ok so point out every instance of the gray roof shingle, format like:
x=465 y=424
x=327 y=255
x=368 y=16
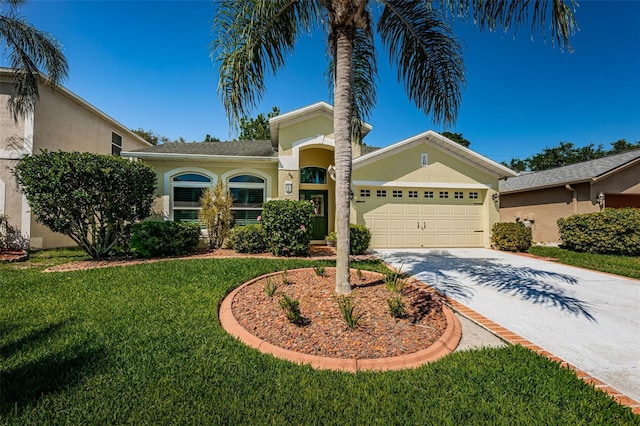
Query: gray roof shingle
x=234 y=148
x=578 y=172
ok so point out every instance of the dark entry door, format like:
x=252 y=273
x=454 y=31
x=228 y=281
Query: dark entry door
x=320 y=222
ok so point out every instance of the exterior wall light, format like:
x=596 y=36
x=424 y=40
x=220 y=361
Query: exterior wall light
x=600 y=200
x=288 y=188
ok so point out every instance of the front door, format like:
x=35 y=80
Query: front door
x=320 y=222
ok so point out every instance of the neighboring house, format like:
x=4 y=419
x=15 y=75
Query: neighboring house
x=539 y=199
x=61 y=121
x=425 y=191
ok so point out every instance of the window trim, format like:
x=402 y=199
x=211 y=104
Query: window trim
x=168 y=187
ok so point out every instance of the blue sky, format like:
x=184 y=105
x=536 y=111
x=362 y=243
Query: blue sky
x=147 y=64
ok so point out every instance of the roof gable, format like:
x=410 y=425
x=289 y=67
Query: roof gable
x=441 y=143
x=580 y=172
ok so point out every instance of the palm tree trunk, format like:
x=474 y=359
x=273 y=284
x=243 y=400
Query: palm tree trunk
x=342 y=130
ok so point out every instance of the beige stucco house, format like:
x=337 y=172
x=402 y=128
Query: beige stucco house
x=425 y=191
x=539 y=199
x=61 y=121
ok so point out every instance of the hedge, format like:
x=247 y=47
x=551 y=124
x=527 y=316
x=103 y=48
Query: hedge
x=611 y=231
x=161 y=239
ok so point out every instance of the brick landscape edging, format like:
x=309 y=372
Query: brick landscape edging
x=443 y=346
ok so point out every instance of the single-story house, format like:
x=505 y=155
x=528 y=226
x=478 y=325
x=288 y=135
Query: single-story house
x=61 y=121
x=425 y=191
x=539 y=199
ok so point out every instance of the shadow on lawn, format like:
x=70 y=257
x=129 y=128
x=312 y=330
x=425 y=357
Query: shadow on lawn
x=28 y=382
x=446 y=272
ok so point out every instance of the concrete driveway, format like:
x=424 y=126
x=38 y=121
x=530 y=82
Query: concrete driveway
x=589 y=319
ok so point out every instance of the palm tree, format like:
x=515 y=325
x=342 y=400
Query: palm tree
x=253 y=38
x=29 y=51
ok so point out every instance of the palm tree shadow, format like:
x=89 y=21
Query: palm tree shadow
x=24 y=384
x=446 y=273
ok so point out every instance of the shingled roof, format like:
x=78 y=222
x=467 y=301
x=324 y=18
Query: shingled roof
x=234 y=148
x=574 y=173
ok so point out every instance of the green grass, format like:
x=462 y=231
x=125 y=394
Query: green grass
x=621 y=265
x=142 y=345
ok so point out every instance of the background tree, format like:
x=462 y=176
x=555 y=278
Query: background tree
x=209 y=138
x=91 y=198
x=456 y=137
x=257 y=129
x=30 y=51
x=253 y=38
x=151 y=137
x=567 y=153
x=215 y=214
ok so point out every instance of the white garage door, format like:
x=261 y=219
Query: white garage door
x=397 y=224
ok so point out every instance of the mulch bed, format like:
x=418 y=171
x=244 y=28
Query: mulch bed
x=324 y=332
x=13 y=255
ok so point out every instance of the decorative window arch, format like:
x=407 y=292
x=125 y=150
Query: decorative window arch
x=249 y=191
x=315 y=175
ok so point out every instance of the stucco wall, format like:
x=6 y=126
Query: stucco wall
x=545 y=206
x=626 y=181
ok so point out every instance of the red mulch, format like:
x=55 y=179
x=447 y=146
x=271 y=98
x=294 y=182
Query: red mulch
x=13 y=255
x=325 y=333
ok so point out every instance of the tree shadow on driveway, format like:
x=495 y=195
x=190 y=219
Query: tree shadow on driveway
x=451 y=276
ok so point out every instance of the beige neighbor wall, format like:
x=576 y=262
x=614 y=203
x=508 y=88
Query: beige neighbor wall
x=626 y=181
x=542 y=208
x=12 y=136
x=62 y=121
x=165 y=170
x=442 y=169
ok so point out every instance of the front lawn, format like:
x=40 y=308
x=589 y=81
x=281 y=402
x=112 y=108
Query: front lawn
x=621 y=265
x=142 y=345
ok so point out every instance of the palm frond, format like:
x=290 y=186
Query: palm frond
x=510 y=15
x=30 y=50
x=253 y=39
x=428 y=56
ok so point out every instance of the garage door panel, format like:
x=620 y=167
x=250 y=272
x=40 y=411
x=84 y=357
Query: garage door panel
x=409 y=224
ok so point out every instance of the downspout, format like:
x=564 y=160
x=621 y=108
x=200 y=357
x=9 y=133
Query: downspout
x=574 y=198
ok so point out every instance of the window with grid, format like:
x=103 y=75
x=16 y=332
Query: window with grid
x=397 y=194
x=458 y=194
x=444 y=194
x=187 y=189
x=413 y=194
x=428 y=194
x=248 y=194
x=473 y=195
x=116 y=144
x=365 y=193
x=381 y=193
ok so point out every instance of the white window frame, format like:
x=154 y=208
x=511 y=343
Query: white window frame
x=424 y=159
x=265 y=186
x=169 y=185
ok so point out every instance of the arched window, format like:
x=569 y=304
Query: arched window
x=187 y=189
x=248 y=193
x=316 y=175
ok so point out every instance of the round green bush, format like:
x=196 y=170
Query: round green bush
x=611 y=231
x=360 y=238
x=511 y=236
x=248 y=239
x=161 y=239
x=287 y=225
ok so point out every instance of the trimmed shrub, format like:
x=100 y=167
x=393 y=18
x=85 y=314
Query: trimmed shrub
x=287 y=224
x=360 y=238
x=161 y=239
x=248 y=239
x=91 y=198
x=511 y=236
x=611 y=231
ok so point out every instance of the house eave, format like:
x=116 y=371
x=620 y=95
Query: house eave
x=198 y=157
x=553 y=185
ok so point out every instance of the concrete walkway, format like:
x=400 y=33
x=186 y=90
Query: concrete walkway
x=589 y=319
